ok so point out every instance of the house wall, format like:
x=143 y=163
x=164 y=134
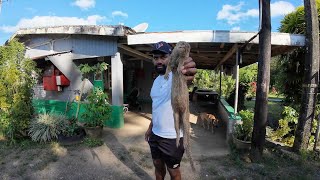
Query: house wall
x=74 y=47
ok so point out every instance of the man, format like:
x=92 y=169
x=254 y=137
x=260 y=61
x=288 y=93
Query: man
x=161 y=134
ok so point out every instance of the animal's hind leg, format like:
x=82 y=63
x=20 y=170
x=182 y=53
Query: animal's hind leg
x=177 y=126
x=203 y=123
x=212 y=125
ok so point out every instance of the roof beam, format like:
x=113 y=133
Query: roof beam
x=228 y=55
x=134 y=52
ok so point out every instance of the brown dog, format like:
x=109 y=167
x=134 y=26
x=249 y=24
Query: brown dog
x=209 y=121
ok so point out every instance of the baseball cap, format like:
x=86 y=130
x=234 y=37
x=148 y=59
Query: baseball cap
x=162 y=48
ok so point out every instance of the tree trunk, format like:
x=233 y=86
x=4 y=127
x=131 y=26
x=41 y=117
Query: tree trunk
x=311 y=77
x=261 y=105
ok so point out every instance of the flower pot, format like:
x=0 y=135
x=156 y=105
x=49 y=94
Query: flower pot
x=245 y=145
x=72 y=140
x=94 y=132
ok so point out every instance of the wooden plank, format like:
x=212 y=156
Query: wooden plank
x=135 y=52
x=228 y=55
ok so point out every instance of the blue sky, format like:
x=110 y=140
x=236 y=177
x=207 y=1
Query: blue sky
x=164 y=15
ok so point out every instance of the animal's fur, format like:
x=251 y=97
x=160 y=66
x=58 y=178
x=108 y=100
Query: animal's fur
x=209 y=121
x=180 y=95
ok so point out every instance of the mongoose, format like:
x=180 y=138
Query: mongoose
x=180 y=95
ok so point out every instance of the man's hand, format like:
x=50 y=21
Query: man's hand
x=189 y=69
x=147 y=135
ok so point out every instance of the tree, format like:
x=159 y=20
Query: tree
x=261 y=105
x=17 y=77
x=311 y=77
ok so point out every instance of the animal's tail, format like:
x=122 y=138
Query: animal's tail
x=188 y=152
x=186 y=140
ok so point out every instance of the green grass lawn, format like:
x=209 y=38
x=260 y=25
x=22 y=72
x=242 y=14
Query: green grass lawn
x=274 y=109
x=276 y=96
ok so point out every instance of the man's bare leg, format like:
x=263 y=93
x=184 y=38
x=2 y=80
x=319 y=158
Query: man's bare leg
x=160 y=169
x=175 y=174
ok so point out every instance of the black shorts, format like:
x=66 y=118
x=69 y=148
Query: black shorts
x=166 y=150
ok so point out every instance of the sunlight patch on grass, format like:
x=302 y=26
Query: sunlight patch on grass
x=58 y=150
x=274 y=108
x=2 y=138
x=280 y=96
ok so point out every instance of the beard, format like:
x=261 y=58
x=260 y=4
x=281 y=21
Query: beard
x=160 y=69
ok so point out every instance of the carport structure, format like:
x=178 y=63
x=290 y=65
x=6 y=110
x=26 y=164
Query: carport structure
x=226 y=51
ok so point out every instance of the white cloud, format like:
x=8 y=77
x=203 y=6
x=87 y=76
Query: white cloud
x=252 y=13
x=44 y=21
x=230 y=13
x=237 y=28
x=119 y=13
x=84 y=4
x=234 y=14
x=281 y=8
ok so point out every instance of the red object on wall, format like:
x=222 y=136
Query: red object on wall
x=49 y=83
x=62 y=80
x=54 y=79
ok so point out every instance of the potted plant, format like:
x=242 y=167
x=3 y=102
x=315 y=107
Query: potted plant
x=47 y=126
x=72 y=133
x=243 y=131
x=98 y=110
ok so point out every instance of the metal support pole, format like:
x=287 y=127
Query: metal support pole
x=238 y=57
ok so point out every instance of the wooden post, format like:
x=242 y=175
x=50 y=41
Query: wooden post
x=261 y=104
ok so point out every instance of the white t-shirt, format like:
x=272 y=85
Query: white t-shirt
x=162 y=113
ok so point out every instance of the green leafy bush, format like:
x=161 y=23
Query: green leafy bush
x=287 y=127
x=71 y=128
x=243 y=131
x=17 y=77
x=97 y=108
x=209 y=79
x=47 y=127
